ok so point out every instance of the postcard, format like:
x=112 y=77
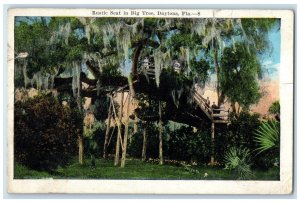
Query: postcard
x=150 y=101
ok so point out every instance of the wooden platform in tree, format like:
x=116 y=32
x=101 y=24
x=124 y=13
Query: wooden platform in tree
x=193 y=114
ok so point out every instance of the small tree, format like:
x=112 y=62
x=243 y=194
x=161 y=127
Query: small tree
x=239 y=81
x=45 y=133
x=275 y=110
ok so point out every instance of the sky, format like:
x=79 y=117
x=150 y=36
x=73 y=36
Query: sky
x=271 y=60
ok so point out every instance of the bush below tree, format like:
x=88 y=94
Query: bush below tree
x=45 y=133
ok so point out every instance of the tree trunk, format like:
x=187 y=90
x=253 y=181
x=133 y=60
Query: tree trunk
x=144 y=142
x=78 y=99
x=212 y=158
x=107 y=131
x=233 y=107
x=239 y=110
x=93 y=69
x=80 y=146
x=135 y=59
x=79 y=105
x=130 y=137
x=117 y=156
x=126 y=132
x=135 y=124
x=217 y=74
x=160 y=136
x=135 y=127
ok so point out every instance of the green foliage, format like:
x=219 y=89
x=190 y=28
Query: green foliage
x=258 y=29
x=29 y=38
x=50 y=45
x=268 y=136
x=34 y=38
x=100 y=107
x=147 y=106
x=92 y=144
x=241 y=131
x=239 y=71
x=238 y=160
x=266 y=160
x=186 y=145
x=179 y=39
x=275 y=108
x=136 y=145
x=23 y=172
x=110 y=71
x=75 y=53
x=45 y=132
x=199 y=71
x=181 y=144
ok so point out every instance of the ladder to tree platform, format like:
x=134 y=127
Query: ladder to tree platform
x=150 y=71
x=148 y=68
x=214 y=115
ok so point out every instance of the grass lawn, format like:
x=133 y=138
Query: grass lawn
x=136 y=169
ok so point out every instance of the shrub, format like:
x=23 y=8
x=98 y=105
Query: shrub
x=268 y=139
x=178 y=144
x=94 y=139
x=275 y=109
x=222 y=141
x=45 y=132
x=186 y=145
x=241 y=131
x=237 y=160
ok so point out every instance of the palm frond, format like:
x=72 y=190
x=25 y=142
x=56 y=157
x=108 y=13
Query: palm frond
x=237 y=159
x=268 y=136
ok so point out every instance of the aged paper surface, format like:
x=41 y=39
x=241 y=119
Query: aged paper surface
x=284 y=186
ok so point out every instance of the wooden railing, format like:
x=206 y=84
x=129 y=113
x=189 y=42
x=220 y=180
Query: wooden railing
x=212 y=114
x=202 y=104
x=148 y=69
x=221 y=114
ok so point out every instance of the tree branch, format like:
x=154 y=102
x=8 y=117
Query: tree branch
x=94 y=69
x=87 y=80
x=144 y=42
